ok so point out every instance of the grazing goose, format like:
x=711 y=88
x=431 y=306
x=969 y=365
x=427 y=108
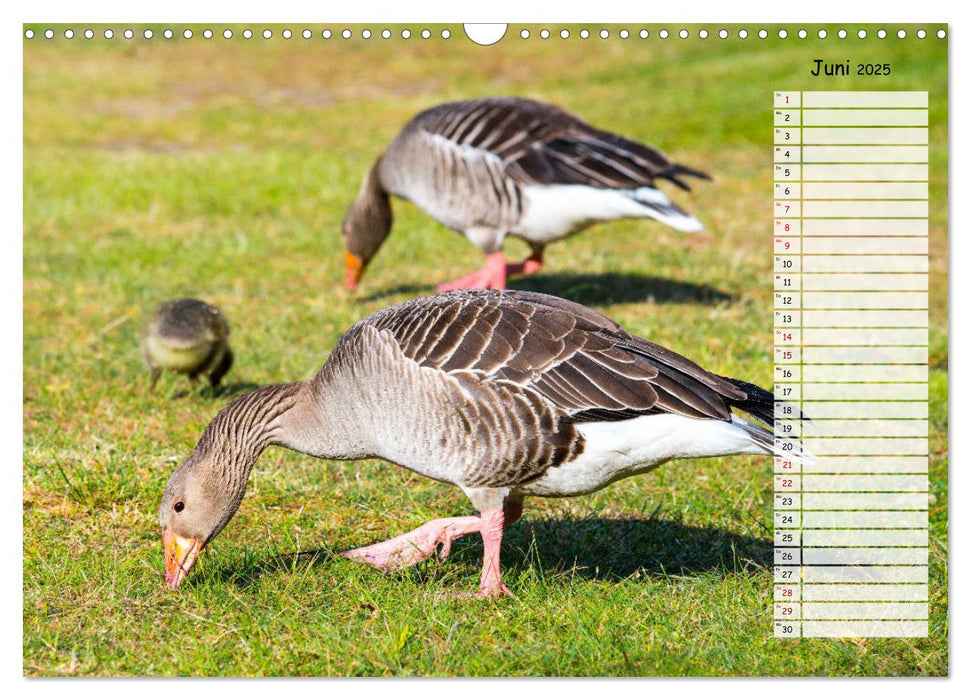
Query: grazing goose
x=503 y=394
x=187 y=336
x=508 y=165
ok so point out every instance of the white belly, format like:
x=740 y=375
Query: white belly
x=617 y=450
x=555 y=211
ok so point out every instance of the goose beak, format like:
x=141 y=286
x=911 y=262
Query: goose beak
x=355 y=268
x=180 y=555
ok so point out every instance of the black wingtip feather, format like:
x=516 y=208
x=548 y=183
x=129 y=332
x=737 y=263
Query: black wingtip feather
x=759 y=402
x=676 y=170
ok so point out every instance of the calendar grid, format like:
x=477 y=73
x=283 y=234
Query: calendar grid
x=851 y=364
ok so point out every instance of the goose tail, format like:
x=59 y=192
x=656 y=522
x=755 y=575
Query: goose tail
x=664 y=210
x=760 y=404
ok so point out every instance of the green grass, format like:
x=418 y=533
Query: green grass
x=221 y=170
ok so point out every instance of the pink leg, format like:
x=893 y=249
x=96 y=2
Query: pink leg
x=491 y=585
x=529 y=266
x=491 y=276
x=421 y=543
x=493 y=523
x=417 y=545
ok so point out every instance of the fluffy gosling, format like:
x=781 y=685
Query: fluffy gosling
x=190 y=337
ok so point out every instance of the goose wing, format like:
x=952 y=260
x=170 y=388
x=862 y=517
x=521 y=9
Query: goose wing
x=580 y=361
x=540 y=143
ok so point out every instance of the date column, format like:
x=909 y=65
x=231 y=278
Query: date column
x=787 y=302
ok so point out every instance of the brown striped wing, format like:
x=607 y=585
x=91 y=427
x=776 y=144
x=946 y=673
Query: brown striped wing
x=579 y=360
x=542 y=144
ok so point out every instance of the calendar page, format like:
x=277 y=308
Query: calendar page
x=637 y=331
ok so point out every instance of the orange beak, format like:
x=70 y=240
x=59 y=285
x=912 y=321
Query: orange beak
x=180 y=555
x=355 y=268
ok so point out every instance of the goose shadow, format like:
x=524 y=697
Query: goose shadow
x=610 y=549
x=599 y=549
x=593 y=289
x=621 y=288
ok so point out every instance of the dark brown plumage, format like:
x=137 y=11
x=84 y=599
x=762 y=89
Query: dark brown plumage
x=540 y=143
x=577 y=359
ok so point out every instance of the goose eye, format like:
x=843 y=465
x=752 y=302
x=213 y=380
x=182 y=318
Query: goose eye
x=179 y=507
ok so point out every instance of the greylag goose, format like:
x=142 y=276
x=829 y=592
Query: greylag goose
x=508 y=165
x=503 y=394
x=187 y=336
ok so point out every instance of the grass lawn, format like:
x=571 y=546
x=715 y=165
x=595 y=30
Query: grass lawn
x=221 y=169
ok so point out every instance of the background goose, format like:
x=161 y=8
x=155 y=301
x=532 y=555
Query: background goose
x=508 y=165
x=504 y=394
x=187 y=336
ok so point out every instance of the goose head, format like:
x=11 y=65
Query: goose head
x=366 y=224
x=204 y=493
x=197 y=504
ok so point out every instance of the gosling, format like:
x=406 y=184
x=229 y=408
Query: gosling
x=187 y=336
